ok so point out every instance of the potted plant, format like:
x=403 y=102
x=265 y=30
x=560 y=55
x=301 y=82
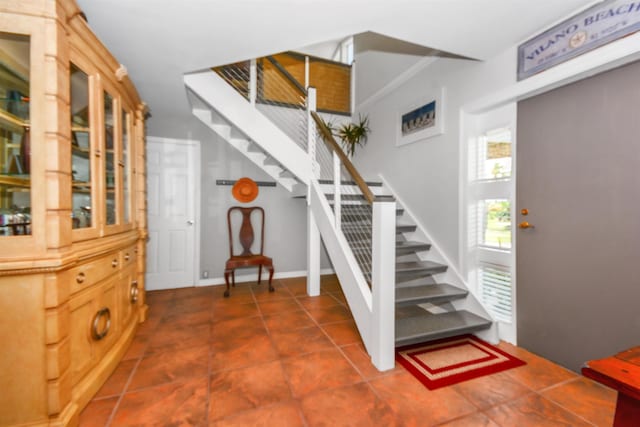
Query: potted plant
x=352 y=134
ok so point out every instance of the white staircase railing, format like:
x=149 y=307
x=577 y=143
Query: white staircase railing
x=370 y=225
x=264 y=113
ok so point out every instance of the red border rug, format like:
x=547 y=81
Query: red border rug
x=452 y=360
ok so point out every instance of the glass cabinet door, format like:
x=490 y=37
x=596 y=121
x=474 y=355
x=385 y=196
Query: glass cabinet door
x=80 y=149
x=15 y=147
x=126 y=167
x=110 y=161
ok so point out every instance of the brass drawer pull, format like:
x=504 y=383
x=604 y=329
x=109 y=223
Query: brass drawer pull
x=106 y=313
x=133 y=292
x=127 y=257
x=80 y=277
x=114 y=263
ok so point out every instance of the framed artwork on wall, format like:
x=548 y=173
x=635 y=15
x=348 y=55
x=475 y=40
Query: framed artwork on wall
x=421 y=119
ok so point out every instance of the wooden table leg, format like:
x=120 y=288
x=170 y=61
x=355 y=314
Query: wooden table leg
x=627 y=412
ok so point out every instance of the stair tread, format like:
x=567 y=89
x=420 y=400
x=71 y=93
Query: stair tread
x=415 y=266
x=361 y=209
x=426 y=327
x=410 y=244
x=434 y=292
x=352 y=227
x=405 y=228
x=380 y=198
x=360 y=243
x=369 y=183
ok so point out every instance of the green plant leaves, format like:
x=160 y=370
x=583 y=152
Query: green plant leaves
x=353 y=134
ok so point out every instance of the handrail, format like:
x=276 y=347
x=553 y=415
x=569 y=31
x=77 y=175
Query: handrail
x=287 y=74
x=330 y=140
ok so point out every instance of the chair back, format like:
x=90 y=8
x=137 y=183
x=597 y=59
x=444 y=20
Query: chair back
x=246 y=235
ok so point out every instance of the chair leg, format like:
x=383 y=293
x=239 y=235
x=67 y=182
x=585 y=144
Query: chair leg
x=233 y=278
x=226 y=280
x=259 y=273
x=270 y=277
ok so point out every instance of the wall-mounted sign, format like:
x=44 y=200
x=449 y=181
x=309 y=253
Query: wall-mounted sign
x=596 y=26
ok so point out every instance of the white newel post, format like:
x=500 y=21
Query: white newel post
x=313 y=233
x=253 y=82
x=383 y=278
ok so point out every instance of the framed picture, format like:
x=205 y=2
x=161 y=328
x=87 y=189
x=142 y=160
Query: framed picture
x=421 y=119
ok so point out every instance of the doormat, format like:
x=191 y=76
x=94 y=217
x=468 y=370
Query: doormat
x=453 y=360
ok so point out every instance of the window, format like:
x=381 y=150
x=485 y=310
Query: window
x=344 y=52
x=489 y=207
x=495 y=229
x=495 y=155
x=495 y=291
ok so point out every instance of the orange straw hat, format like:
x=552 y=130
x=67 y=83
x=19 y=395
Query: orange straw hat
x=245 y=190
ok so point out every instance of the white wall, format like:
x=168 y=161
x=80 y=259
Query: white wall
x=426 y=173
x=285 y=223
x=378 y=69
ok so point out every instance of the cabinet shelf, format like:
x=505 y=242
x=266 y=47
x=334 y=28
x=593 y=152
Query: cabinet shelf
x=12 y=121
x=81 y=187
x=80 y=152
x=16 y=180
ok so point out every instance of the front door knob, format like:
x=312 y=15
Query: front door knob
x=525 y=224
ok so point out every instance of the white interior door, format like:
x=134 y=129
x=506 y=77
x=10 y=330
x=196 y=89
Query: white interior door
x=172 y=192
x=489 y=259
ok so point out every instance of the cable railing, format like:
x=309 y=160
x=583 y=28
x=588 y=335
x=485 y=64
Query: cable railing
x=358 y=230
x=282 y=99
x=274 y=91
x=352 y=198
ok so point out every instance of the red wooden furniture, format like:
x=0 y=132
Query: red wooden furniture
x=622 y=373
x=246 y=236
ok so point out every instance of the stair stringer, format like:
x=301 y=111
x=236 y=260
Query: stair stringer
x=354 y=285
x=452 y=276
x=241 y=145
x=218 y=95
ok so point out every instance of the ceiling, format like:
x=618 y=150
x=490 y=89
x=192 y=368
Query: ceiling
x=160 y=40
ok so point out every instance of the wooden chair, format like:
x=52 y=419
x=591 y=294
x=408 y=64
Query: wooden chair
x=246 y=237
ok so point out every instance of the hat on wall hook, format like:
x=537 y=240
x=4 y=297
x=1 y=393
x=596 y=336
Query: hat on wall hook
x=245 y=190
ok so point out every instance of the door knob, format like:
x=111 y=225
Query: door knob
x=190 y=222
x=525 y=224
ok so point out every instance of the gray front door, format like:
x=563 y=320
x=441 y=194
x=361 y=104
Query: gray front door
x=578 y=175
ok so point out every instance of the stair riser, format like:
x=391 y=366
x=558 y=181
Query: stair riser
x=440 y=335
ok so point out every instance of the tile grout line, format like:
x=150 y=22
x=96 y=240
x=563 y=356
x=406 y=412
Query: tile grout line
x=116 y=407
x=208 y=404
x=280 y=358
x=123 y=392
x=344 y=355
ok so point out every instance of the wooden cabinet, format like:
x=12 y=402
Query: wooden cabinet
x=72 y=213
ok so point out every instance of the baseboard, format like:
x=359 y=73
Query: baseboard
x=213 y=281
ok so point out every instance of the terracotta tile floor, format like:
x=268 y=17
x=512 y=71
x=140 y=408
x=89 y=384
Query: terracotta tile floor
x=286 y=359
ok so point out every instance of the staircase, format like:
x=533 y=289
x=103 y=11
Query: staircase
x=423 y=305
x=356 y=221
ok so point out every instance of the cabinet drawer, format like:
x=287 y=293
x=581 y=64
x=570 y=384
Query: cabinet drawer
x=128 y=256
x=90 y=273
x=94 y=327
x=129 y=295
